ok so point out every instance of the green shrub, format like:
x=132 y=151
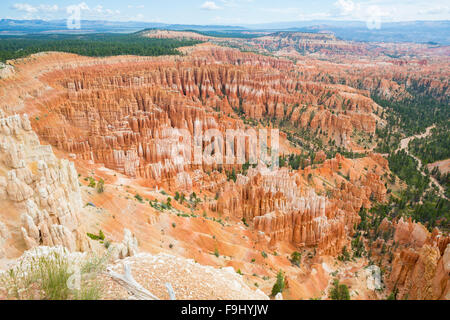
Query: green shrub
x=393 y=295
x=91 y=182
x=100 y=186
x=100 y=236
x=296 y=258
x=339 y=291
x=47 y=277
x=93 y=236
x=279 y=284
x=345 y=256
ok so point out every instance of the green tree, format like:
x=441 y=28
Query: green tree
x=92 y=182
x=101 y=186
x=296 y=258
x=279 y=284
x=339 y=291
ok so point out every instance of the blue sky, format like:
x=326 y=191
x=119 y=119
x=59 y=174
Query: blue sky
x=232 y=12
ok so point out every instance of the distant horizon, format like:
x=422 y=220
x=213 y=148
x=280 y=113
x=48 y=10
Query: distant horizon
x=227 y=12
x=418 y=31
x=227 y=25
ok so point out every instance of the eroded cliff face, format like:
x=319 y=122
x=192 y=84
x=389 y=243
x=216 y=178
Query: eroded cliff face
x=285 y=206
x=282 y=211
x=321 y=57
x=128 y=116
x=421 y=264
x=40 y=193
x=387 y=79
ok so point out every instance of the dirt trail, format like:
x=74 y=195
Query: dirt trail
x=404 y=145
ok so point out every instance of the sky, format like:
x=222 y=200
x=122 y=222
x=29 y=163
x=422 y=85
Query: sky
x=228 y=12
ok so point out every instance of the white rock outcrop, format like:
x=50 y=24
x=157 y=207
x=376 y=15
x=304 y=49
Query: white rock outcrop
x=42 y=189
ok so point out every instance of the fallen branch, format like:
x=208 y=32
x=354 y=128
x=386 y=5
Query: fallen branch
x=137 y=291
x=171 y=292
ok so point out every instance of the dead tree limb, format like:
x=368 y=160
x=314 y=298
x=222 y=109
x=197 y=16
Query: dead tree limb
x=171 y=292
x=127 y=281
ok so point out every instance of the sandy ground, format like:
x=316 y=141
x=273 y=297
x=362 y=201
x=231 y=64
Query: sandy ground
x=443 y=165
x=188 y=279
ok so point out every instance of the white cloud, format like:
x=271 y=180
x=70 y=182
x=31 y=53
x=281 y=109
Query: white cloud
x=82 y=6
x=24 y=7
x=346 y=6
x=435 y=10
x=53 y=11
x=347 y=9
x=99 y=10
x=210 y=5
x=78 y=7
x=48 y=8
x=43 y=11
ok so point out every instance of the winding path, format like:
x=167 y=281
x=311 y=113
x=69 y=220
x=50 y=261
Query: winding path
x=404 y=145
